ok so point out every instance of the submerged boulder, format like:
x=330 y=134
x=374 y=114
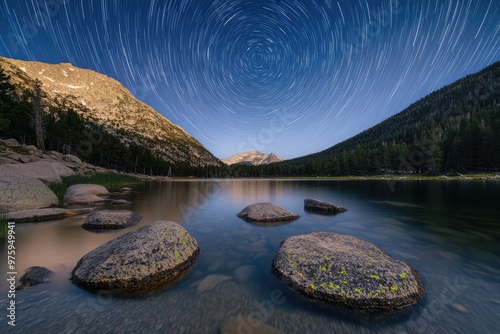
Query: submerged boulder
x=20 y=192
x=347 y=272
x=33 y=276
x=111 y=219
x=267 y=212
x=314 y=205
x=85 y=194
x=138 y=261
x=249 y=324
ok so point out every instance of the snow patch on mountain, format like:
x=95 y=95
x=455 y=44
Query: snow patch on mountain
x=254 y=158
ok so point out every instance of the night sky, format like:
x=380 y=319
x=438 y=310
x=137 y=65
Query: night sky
x=291 y=77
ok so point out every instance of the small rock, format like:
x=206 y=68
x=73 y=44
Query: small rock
x=11 y=142
x=85 y=194
x=25 y=159
x=210 y=282
x=120 y=202
x=126 y=190
x=459 y=308
x=72 y=159
x=31 y=148
x=33 y=276
x=249 y=325
x=314 y=205
x=267 y=212
x=111 y=219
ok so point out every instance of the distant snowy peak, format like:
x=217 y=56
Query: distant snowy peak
x=255 y=158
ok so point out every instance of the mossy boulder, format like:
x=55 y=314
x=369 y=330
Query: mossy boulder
x=347 y=272
x=267 y=212
x=20 y=192
x=138 y=262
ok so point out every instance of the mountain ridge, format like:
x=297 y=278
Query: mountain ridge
x=254 y=158
x=454 y=129
x=105 y=101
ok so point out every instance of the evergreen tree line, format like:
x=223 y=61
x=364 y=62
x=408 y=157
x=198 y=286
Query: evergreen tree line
x=453 y=130
x=67 y=132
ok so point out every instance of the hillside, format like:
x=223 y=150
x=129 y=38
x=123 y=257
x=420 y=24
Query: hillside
x=105 y=102
x=254 y=158
x=454 y=129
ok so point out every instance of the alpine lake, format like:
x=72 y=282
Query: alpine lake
x=449 y=230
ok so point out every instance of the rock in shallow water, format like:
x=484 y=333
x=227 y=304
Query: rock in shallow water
x=267 y=212
x=33 y=276
x=347 y=272
x=85 y=194
x=313 y=205
x=249 y=325
x=210 y=282
x=38 y=215
x=111 y=219
x=139 y=261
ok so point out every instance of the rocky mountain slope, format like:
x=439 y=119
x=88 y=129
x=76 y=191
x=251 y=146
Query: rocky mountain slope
x=254 y=158
x=105 y=101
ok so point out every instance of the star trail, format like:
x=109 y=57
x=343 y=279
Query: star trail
x=291 y=77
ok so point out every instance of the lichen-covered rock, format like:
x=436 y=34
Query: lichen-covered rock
x=267 y=212
x=138 y=261
x=33 y=276
x=38 y=215
x=85 y=194
x=111 y=219
x=314 y=205
x=347 y=272
x=20 y=192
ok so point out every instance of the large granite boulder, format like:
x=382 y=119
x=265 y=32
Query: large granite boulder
x=267 y=212
x=20 y=192
x=316 y=206
x=39 y=215
x=46 y=171
x=85 y=194
x=33 y=276
x=347 y=272
x=111 y=219
x=138 y=261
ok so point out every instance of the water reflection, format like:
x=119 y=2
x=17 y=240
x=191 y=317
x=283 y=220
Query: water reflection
x=447 y=230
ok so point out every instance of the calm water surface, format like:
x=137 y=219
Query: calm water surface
x=448 y=230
